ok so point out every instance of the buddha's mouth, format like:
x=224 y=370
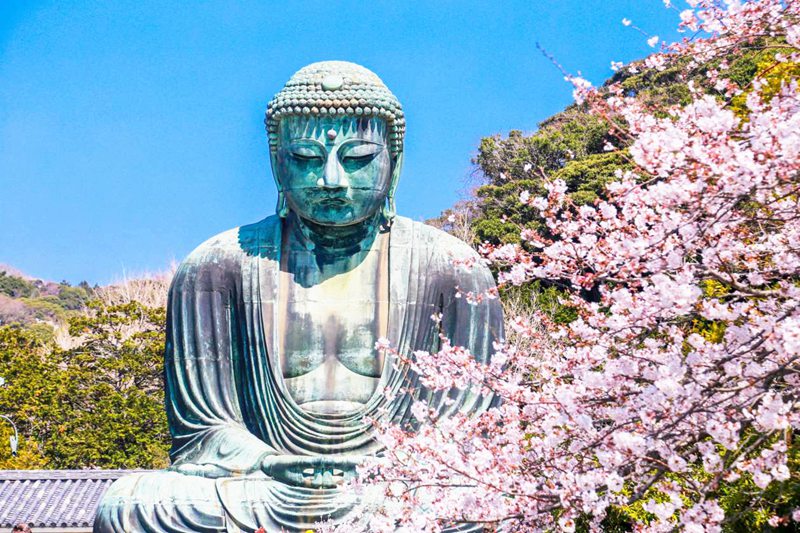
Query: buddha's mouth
x=335 y=201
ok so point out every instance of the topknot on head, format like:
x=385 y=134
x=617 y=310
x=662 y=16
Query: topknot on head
x=337 y=88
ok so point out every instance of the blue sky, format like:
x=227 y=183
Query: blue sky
x=131 y=131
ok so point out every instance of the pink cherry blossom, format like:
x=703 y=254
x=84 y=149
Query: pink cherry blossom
x=686 y=353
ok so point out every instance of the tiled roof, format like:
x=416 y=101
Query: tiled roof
x=53 y=498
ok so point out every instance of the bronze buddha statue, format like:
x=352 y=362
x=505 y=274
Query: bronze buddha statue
x=273 y=377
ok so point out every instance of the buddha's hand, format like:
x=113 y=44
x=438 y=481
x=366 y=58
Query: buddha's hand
x=312 y=471
x=203 y=470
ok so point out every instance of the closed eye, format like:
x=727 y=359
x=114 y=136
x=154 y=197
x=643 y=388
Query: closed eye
x=359 y=153
x=352 y=158
x=305 y=156
x=306 y=151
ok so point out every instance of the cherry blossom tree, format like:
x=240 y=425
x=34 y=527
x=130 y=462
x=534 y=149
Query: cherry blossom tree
x=680 y=375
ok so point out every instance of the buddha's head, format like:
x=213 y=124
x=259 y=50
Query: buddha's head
x=336 y=144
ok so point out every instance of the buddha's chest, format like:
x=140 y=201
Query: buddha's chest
x=336 y=321
x=330 y=324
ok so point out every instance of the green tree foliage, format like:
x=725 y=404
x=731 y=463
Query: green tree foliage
x=73 y=298
x=40 y=304
x=99 y=404
x=116 y=389
x=29 y=396
x=586 y=177
x=571 y=145
x=520 y=162
x=15 y=286
x=43 y=308
x=780 y=499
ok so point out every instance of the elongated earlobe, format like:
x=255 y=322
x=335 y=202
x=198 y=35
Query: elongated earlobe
x=282 y=209
x=389 y=211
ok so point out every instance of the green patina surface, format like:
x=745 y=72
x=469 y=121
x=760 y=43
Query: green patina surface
x=272 y=373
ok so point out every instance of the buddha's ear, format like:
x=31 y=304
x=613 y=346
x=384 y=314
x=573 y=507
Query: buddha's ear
x=281 y=209
x=389 y=209
x=397 y=166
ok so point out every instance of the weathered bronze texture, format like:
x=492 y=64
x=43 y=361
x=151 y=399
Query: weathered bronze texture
x=273 y=377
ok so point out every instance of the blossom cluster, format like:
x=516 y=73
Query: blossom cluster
x=681 y=371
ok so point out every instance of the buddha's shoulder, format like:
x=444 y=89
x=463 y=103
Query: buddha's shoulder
x=261 y=238
x=435 y=240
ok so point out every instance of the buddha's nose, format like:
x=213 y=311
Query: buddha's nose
x=334 y=176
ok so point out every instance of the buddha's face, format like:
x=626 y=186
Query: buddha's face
x=334 y=171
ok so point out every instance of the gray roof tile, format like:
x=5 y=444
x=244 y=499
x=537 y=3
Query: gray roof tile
x=53 y=498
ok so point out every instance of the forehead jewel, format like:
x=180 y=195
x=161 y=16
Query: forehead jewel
x=336 y=88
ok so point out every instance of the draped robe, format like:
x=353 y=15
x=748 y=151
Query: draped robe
x=228 y=407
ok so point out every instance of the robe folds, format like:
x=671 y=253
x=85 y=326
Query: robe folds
x=228 y=408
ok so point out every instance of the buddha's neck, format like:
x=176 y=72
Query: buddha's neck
x=334 y=240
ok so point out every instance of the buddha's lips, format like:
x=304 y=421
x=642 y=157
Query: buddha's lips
x=323 y=196
x=335 y=201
